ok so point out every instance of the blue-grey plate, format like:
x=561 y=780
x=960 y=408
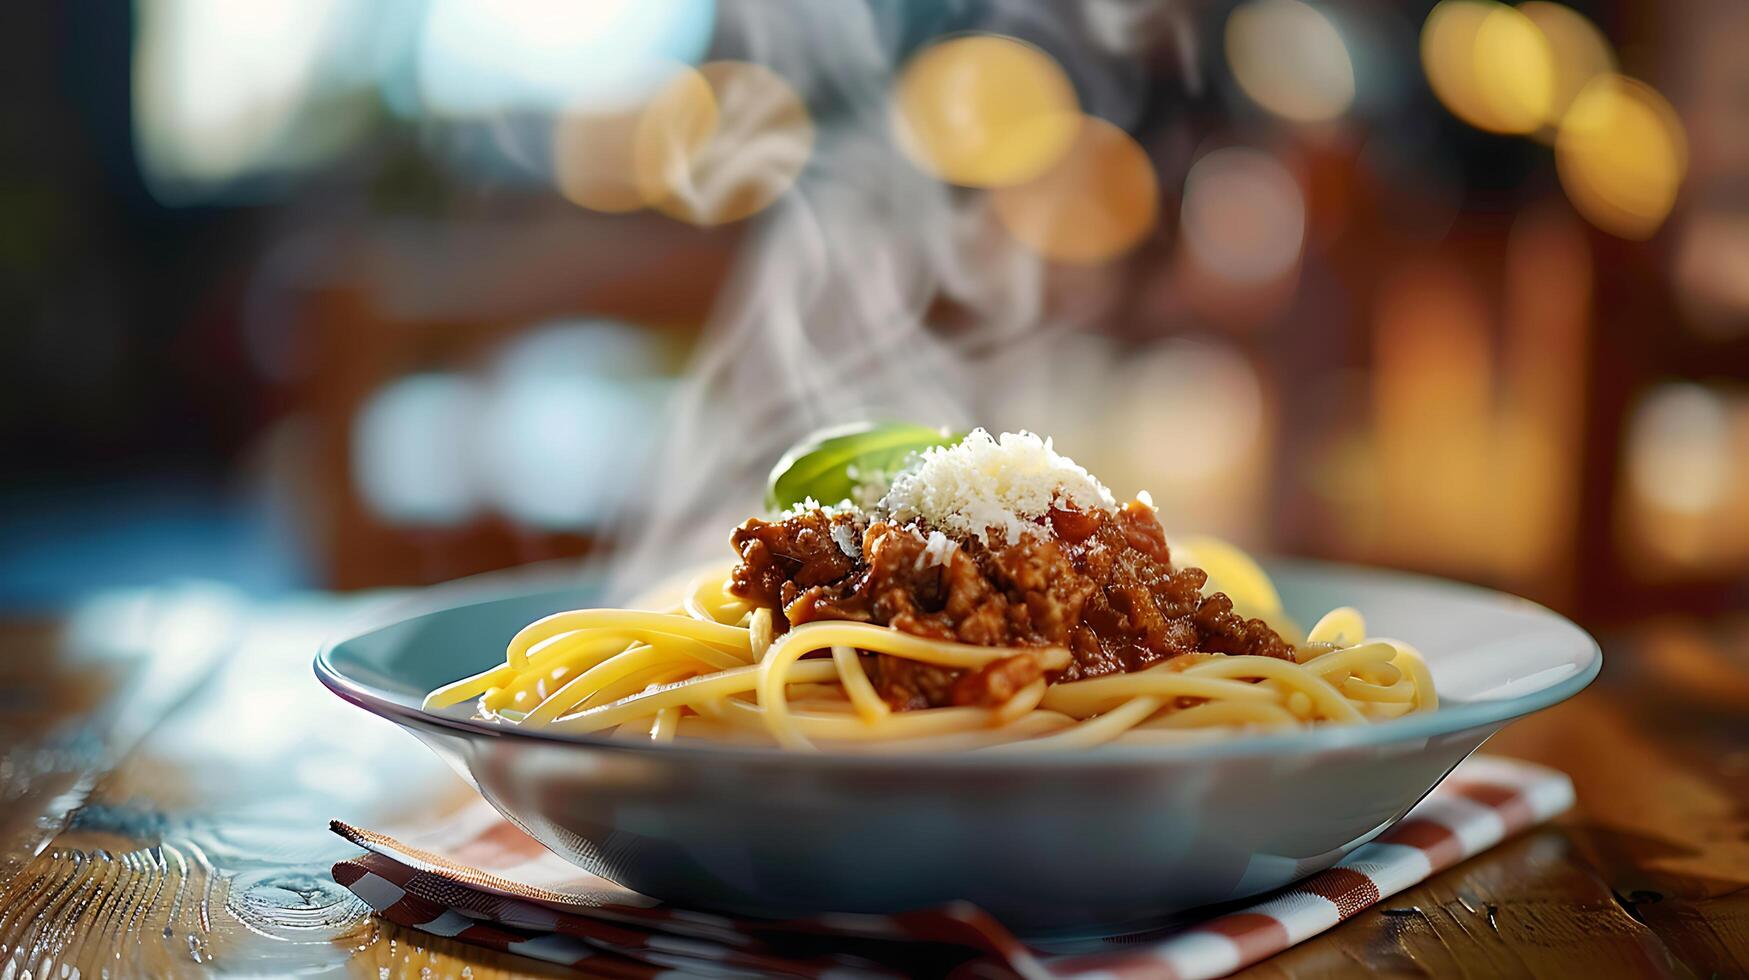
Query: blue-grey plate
x=1086 y=842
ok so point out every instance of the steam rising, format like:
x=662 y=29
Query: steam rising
x=870 y=290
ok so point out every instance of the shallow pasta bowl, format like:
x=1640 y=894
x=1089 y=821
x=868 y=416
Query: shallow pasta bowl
x=1084 y=842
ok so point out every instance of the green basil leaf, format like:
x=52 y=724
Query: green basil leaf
x=830 y=464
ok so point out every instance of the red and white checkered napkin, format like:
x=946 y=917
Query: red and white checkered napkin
x=482 y=881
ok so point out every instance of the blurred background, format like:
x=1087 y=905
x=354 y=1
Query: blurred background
x=348 y=293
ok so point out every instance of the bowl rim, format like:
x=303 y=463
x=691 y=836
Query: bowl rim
x=1446 y=720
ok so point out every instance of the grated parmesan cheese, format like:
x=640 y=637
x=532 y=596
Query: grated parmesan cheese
x=808 y=505
x=936 y=550
x=989 y=483
x=847 y=540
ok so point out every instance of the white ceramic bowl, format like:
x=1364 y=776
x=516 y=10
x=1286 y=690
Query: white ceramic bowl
x=1088 y=842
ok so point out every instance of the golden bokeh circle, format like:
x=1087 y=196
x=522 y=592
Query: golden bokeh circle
x=595 y=150
x=1489 y=64
x=1448 y=44
x=1621 y=154
x=1579 y=52
x=984 y=111
x=1243 y=217
x=721 y=143
x=1289 y=58
x=1515 y=70
x=1099 y=201
x=593 y=164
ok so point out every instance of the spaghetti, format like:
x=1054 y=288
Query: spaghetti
x=776 y=651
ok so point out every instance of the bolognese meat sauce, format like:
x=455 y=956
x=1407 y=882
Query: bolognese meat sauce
x=1099 y=583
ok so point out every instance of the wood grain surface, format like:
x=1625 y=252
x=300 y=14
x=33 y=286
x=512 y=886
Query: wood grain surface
x=166 y=779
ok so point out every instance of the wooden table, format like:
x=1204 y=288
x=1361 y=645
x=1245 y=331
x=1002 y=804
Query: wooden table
x=168 y=766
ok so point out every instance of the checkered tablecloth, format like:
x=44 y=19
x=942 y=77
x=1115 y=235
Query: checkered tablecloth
x=482 y=881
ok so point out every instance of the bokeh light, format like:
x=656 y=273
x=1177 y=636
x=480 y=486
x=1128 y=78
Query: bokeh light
x=220 y=89
x=1711 y=254
x=570 y=410
x=592 y=159
x=409 y=458
x=1433 y=416
x=679 y=120
x=1489 y=64
x=1578 y=50
x=1678 y=449
x=720 y=144
x=1099 y=201
x=477 y=57
x=1202 y=399
x=1290 y=59
x=1202 y=407
x=984 y=111
x=1684 y=506
x=1621 y=154
x=1539 y=435
x=1244 y=216
x=595 y=150
x=1448 y=56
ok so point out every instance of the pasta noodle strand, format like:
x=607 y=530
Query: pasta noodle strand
x=715 y=667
